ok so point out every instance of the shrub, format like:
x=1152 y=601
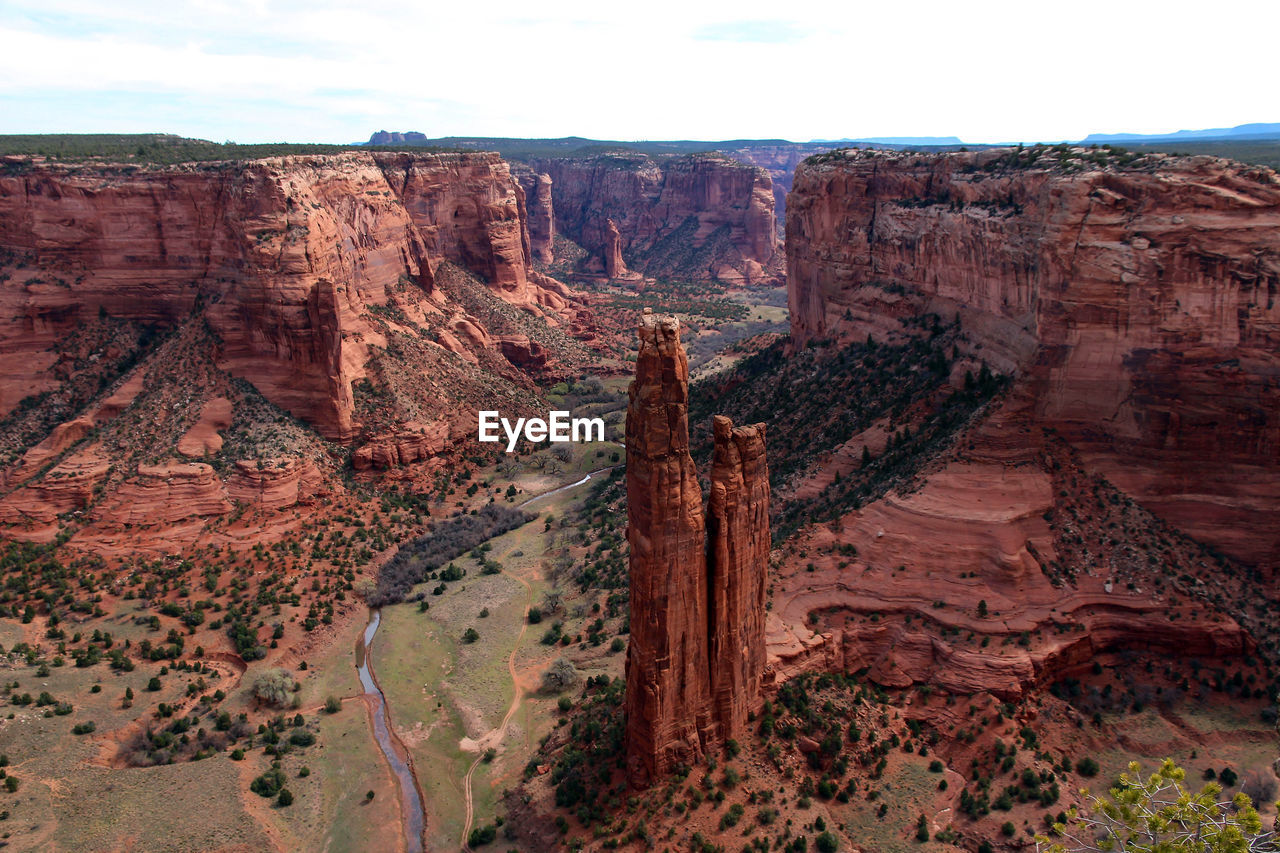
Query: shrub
x=268 y=784
x=534 y=615
x=1087 y=767
x=826 y=843
x=470 y=635
x=273 y=687
x=332 y=705
x=1008 y=829
x=561 y=675
x=285 y=798
x=83 y=728
x=732 y=816
x=482 y=835
x=302 y=737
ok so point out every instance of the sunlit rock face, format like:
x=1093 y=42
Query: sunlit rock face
x=1138 y=304
x=285 y=257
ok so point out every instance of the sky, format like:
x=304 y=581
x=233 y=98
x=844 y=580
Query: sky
x=318 y=71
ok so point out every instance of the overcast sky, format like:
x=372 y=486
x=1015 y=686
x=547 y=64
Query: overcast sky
x=265 y=71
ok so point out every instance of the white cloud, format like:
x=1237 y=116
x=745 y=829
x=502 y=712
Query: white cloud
x=1001 y=70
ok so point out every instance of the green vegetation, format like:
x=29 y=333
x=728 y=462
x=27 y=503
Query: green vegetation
x=701 y=300
x=1159 y=813
x=1264 y=152
x=154 y=149
x=819 y=398
x=447 y=540
x=268 y=784
x=585 y=769
x=273 y=687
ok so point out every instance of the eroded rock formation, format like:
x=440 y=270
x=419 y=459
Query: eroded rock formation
x=738 y=556
x=668 y=693
x=700 y=217
x=415 y=443
x=542 y=223
x=285 y=256
x=696 y=654
x=1138 y=301
x=614 y=265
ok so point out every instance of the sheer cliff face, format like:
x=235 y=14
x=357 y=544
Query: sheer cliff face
x=738 y=546
x=699 y=217
x=1139 y=306
x=668 y=695
x=697 y=652
x=284 y=256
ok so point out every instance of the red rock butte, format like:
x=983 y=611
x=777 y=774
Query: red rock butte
x=697 y=650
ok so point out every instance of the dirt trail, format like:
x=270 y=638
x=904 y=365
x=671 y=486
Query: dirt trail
x=495 y=736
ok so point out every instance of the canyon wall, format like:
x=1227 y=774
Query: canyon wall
x=284 y=256
x=1137 y=301
x=780 y=161
x=697 y=653
x=697 y=217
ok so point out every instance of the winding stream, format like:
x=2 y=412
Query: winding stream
x=412 y=807
x=410 y=800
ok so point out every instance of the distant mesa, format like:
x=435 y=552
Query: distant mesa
x=1241 y=132
x=412 y=137
x=892 y=140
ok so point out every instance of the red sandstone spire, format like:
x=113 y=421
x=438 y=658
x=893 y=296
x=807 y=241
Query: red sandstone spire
x=738 y=557
x=697 y=602
x=668 y=693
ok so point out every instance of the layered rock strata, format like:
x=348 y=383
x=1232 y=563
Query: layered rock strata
x=541 y=213
x=738 y=556
x=614 y=265
x=696 y=654
x=668 y=692
x=701 y=217
x=1137 y=300
x=285 y=257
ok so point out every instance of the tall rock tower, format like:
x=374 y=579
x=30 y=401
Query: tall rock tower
x=738 y=556
x=668 y=694
x=697 y=602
